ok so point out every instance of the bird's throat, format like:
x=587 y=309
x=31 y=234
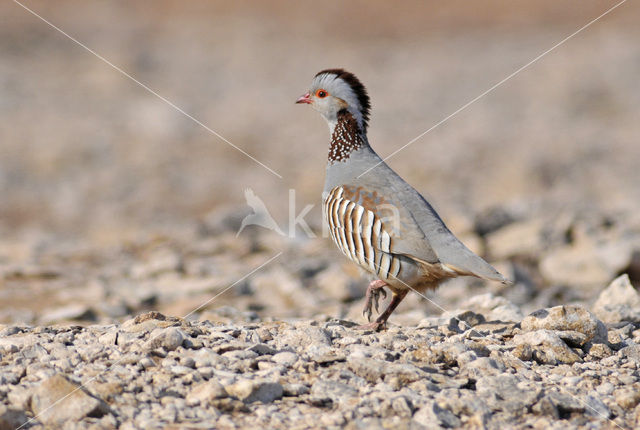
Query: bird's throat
x=346 y=137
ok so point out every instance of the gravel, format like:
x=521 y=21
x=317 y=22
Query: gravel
x=322 y=372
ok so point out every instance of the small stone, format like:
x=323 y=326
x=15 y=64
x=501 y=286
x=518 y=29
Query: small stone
x=618 y=302
x=375 y=370
x=628 y=397
x=598 y=351
x=546 y=347
x=483 y=366
x=631 y=352
x=20 y=397
x=147 y=363
x=470 y=319
x=573 y=338
x=565 y=403
x=255 y=391
x=109 y=338
x=262 y=349
x=203 y=394
x=302 y=337
x=327 y=391
x=294 y=390
x=432 y=416
x=11 y=419
x=503 y=392
x=107 y=390
x=169 y=339
x=72 y=403
x=205 y=357
x=567 y=318
x=285 y=358
x=596 y=408
x=324 y=355
x=188 y=362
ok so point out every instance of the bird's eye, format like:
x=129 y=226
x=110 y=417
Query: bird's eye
x=321 y=94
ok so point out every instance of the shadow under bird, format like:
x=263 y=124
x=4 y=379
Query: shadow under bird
x=376 y=219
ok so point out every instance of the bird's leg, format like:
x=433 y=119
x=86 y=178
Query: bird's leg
x=374 y=290
x=381 y=321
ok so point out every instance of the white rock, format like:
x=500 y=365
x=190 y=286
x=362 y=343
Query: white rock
x=567 y=318
x=618 y=302
x=71 y=402
x=286 y=358
x=204 y=393
x=255 y=391
x=547 y=347
x=432 y=416
x=169 y=339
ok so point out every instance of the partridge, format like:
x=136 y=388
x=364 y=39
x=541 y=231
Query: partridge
x=374 y=217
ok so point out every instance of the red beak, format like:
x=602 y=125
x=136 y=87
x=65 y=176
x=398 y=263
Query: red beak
x=305 y=99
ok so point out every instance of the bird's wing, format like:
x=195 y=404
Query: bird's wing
x=450 y=251
x=360 y=219
x=424 y=236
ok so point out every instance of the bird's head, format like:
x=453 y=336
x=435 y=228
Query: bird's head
x=335 y=90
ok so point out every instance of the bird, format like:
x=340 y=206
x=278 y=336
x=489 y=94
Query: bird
x=375 y=218
x=260 y=216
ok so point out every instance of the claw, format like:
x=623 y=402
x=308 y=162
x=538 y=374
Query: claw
x=372 y=297
x=366 y=312
x=375 y=326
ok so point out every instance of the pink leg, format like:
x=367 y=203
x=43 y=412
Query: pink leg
x=374 y=290
x=381 y=321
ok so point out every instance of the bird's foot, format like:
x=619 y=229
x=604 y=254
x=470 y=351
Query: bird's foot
x=374 y=291
x=375 y=326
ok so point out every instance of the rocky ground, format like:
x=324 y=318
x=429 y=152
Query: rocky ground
x=121 y=271
x=259 y=330
x=560 y=367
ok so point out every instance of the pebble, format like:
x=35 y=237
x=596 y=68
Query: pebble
x=261 y=374
x=205 y=393
x=169 y=339
x=286 y=358
x=545 y=347
x=618 y=302
x=58 y=400
x=255 y=391
x=11 y=419
x=567 y=318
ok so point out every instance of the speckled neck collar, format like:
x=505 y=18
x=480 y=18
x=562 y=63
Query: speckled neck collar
x=346 y=137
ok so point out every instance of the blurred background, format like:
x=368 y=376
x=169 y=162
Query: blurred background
x=113 y=202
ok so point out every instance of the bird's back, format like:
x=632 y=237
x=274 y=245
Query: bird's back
x=422 y=235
